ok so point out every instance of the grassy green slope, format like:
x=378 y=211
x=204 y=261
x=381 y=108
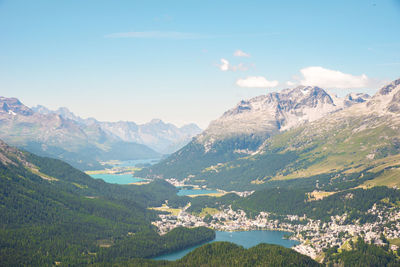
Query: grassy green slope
x=194 y=158
x=336 y=147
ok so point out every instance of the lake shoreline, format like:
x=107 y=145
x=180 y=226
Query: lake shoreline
x=246 y=239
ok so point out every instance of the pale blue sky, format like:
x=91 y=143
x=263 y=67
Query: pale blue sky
x=138 y=60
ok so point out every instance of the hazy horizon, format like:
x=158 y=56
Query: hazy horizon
x=189 y=62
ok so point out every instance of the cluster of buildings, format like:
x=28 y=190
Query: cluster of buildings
x=176 y=182
x=314 y=236
x=184 y=182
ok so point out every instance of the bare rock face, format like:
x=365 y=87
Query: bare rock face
x=13 y=106
x=270 y=114
x=63 y=135
x=386 y=101
x=162 y=137
x=353 y=98
x=394 y=104
x=389 y=88
x=11 y=156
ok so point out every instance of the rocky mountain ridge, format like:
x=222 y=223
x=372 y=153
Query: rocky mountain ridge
x=362 y=137
x=275 y=112
x=53 y=135
x=13 y=106
x=162 y=137
x=295 y=134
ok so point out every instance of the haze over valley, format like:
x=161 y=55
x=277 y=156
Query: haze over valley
x=85 y=143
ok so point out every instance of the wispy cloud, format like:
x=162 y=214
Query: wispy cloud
x=225 y=66
x=240 y=53
x=256 y=82
x=157 y=35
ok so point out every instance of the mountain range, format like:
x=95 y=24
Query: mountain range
x=165 y=138
x=85 y=142
x=286 y=145
x=296 y=133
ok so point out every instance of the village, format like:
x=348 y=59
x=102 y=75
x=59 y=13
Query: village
x=313 y=235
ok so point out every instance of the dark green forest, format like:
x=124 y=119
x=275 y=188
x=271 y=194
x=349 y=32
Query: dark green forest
x=360 y=255
x=354 y=202
x=77 y=220
x=229 y=254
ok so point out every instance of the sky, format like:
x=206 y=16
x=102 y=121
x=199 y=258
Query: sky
x=189 y=61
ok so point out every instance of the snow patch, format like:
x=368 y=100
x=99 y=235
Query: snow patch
x=304 y=91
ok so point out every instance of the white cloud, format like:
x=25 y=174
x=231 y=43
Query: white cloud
x=240 y=53
x=290 y=83
x=319 y=76
x=156 y=35
x=256 y=82
x=225 y=66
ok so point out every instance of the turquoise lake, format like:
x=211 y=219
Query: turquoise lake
x=134 y=163
x=186 y=192
x=246 y=239
x=117 y=178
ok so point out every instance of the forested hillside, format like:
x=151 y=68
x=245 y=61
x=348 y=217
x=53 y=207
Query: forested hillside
x=355 y=203
x=55 y=214
x=227 y=254
x=361 y=254
x=51 y=212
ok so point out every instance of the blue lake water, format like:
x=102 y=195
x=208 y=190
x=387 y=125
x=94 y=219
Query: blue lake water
x=186 y=192
x=117 y=178
x=246 y=239
x=133 y=163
